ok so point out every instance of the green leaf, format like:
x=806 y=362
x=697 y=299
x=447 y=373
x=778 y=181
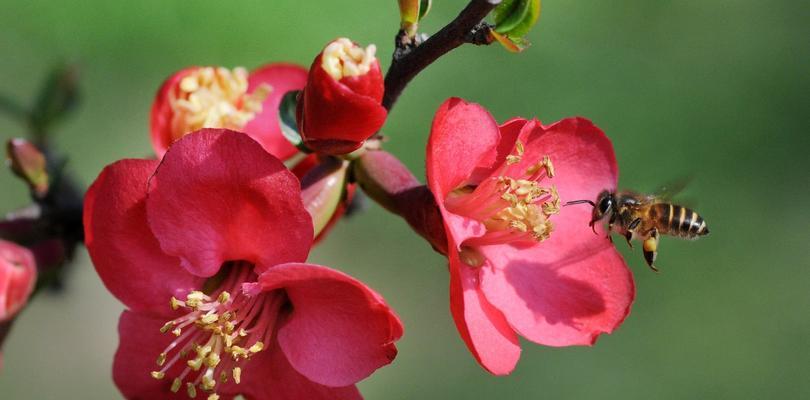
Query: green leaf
x=509 y=14
x=513 y=20
x=424 y=8
x=287 y=120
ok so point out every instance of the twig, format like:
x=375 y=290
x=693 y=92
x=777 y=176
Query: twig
x=411 y=58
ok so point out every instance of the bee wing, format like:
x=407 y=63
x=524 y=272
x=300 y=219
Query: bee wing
x=672 y=188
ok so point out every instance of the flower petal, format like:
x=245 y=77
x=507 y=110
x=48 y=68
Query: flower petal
x=124 y=251
x=585 y=165
x=280 y=381
x=461 y=136
x=559 y=302
x=18 y=275
x=161 y=116
x=340 y=331
x=218 y=196
x=264 y=127
x=484 y=329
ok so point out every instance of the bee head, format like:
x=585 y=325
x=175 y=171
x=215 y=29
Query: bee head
x=604 y=206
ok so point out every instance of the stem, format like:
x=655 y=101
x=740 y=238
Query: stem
x=408 y=63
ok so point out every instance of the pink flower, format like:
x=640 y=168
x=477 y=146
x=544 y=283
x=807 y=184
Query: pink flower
x=18 y=274
x=217 y=97
x=206 y=248
x=520 y=264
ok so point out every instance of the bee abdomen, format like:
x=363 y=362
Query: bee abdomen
x=680 y=221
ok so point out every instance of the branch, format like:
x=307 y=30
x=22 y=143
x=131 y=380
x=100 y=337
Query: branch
x=408 y=62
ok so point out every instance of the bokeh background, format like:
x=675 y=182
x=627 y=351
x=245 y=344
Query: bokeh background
x=716 y=89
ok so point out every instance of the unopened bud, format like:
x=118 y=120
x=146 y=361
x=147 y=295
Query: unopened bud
x=28 y=163
x=323 y=190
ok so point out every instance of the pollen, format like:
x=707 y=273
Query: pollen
x=214 y=97
x=514 y=203
x=342 y=58
x=216 y=337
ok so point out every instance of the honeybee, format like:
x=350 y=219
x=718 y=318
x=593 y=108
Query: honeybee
x=645 y=217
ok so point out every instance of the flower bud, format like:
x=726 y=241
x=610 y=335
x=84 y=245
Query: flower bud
x=28 y=163
x=341 y=104
x=17 y=278
x=324 y=191
x=392 y=185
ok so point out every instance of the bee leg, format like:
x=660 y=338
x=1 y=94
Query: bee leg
x=610 y=227
x=651 y=248
x=628 y=234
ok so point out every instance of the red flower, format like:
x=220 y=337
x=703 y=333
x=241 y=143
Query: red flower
x=216 y=97
x=518 y=263
x=213 y=240
x=341 y=104
x=18 y=274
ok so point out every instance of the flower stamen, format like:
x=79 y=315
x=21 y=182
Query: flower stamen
x=218 y=335
x=342 y=58
x=512 y=204
x=214 y=97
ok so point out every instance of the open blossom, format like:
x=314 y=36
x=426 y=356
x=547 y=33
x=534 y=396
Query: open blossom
x=341 y=105
x=519 y=264
x=206 y=249
x=217 y=97
x=18 y=274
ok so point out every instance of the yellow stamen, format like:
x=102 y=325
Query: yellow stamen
x=237 y=375
x=342 y=58
x=214 y=97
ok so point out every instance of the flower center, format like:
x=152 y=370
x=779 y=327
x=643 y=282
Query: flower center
x=513 y=204
x=219 y=333
x=344 y=58
x=214 y=97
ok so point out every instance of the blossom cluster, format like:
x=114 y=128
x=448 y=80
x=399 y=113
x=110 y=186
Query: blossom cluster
x=206 y=243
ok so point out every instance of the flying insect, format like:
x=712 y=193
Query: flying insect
x=644 y=217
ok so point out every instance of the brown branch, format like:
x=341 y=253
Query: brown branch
x=411 y=58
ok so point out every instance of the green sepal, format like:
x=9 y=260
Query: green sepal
x=287 y=120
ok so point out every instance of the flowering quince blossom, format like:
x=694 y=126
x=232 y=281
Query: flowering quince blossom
x=218 y=97
x=206 y=248
x=341 y=104
x=518 y=263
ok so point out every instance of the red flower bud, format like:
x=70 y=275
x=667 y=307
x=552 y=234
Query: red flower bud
x=341 y=104
x=17 y=277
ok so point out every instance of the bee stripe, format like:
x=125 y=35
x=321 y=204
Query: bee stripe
x=694 y=224
x=671 y=214
x=686 y=217
x=702 y=228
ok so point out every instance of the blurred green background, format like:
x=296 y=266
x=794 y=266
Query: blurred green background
x=717 y=89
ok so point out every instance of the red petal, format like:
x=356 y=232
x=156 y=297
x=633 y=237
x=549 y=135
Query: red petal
x=336 y=120
x=18 y=274
x=585 y=165
x=463 y=134
x=484 y=329
x=161 y=116
x=124 y=251
x=264 y=127
x=559 y=302
x=340 y=331
x=280 y=381
x=218 y=196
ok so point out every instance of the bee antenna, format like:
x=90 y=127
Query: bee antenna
x=571 y=203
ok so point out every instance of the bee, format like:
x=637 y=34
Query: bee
x=645 y=217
